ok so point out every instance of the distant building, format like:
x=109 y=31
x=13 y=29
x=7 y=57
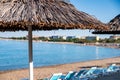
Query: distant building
x=78 y=37
x=47 y=38
x=71 y=37
x=83 y=37
x=55 y=37
x=64 y=37
x=92 y=38
x=114 y=37
x=59 y=37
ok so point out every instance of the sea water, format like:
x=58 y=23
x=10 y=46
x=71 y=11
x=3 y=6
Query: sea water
x=14 y=54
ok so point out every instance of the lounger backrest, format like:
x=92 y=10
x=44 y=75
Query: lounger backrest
x=98 y=71
x=79 y=73
x=112 y=67
x=70 y=75
x=56 y=76
x=91 y=71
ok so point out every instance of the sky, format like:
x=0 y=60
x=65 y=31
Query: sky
x=103 y=10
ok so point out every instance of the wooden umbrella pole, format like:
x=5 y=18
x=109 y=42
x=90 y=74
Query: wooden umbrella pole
x=30 y=53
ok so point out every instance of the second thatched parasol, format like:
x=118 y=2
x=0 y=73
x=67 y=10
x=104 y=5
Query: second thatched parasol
x=31 y=15
x=114 y=26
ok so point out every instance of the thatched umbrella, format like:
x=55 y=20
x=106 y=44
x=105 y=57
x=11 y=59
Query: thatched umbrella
x=114 y=25
x=43 y=15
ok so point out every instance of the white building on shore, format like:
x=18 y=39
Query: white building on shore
x=114 y=37
x=92 y=38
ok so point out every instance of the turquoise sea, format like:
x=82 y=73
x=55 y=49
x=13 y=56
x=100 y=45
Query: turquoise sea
x=14 y=54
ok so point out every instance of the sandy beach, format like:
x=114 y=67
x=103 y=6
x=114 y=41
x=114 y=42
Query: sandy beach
x=44 y=72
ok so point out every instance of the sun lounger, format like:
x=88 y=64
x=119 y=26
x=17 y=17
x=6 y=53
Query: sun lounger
x=113 y=68
x=90 y=71
x=61 y=77
x=98 y=71
x=70 y=75
x=79 y=74
x=56 y=76
x=93 y=73
x=111 y=76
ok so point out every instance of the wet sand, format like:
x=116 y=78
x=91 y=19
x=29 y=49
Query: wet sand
x=44 y=72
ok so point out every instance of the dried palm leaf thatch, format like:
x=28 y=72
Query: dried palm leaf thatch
x=115 y=23
x=44 y=15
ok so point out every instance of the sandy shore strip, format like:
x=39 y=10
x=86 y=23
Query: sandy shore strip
x=44 y=72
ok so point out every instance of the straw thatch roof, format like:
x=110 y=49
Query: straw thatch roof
x=44 y=15
x=115 y=23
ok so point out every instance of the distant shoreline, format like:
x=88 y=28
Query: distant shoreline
x=107 y=45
